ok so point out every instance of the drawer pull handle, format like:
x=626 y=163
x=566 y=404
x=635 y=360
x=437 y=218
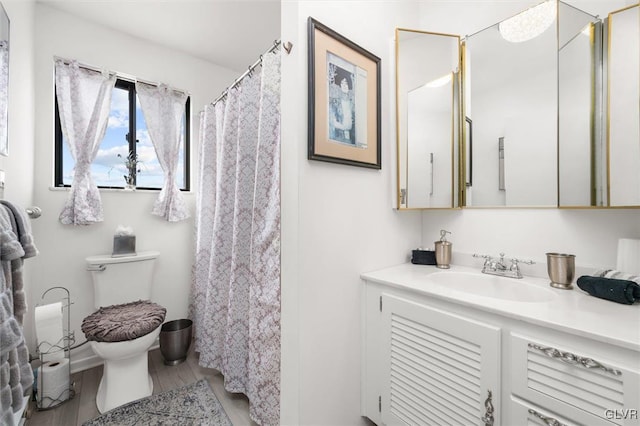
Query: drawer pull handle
x=570 y=358
x=487 y=419
x=549 y=421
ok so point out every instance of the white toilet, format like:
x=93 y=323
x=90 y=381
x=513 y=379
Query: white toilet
x=124 y=327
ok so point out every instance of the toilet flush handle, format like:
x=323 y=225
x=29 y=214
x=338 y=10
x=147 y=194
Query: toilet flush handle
x=98 y=268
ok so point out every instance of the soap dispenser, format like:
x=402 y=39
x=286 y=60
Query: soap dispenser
x=443 y=250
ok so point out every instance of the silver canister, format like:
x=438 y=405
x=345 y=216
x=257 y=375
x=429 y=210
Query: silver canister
x=561 y=268
x=443 y=254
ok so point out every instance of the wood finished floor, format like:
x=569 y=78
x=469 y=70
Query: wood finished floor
x=83 y=406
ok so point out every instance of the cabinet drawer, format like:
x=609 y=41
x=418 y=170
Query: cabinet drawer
x=523 y=413
x=585 y=387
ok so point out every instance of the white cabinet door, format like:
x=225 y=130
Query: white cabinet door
x=438 y=367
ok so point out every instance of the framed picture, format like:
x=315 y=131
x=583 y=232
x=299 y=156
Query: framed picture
x=344 y=100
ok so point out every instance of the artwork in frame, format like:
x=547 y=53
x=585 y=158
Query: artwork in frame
x=344 y=100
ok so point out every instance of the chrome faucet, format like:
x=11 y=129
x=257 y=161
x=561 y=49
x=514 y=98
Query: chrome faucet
x=497 y=266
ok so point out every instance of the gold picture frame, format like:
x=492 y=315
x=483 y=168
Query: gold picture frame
x=344 y=100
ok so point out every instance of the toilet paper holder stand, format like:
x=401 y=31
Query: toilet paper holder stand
x=64 y=344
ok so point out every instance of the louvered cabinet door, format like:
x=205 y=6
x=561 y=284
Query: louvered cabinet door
x=587 y=388
x=438 y=367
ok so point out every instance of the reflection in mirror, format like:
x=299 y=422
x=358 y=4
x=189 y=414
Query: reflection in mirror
x=623 y=124
x=428 y=124
x=4 y=81
x=511 y=97
x=581 y=153
x=599 y=124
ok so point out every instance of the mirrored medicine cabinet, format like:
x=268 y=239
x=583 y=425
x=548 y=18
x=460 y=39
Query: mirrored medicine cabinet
x=507 y=117
x=428 y=105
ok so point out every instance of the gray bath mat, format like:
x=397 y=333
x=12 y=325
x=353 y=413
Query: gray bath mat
x=194 y=404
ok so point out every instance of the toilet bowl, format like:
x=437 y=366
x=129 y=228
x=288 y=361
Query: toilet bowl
x=125 y=376
x=124 y=327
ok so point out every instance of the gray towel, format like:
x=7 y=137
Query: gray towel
x=16 y=376
x=22 y=228
x=17 y=392
x=4 y=370
x=10 y=247
x=11 y=250
x=20 y=377
x=6 y=412
x=26 y=372
x=10 y=335
x=10 y=331
x=17 y=285
x=6 y=305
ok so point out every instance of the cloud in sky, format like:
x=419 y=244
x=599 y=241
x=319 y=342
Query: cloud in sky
x=119 y=115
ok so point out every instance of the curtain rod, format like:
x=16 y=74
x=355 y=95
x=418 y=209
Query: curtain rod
x=276 y=44
x=119 y=75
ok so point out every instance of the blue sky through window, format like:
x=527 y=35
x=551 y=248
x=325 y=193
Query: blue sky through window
x=108 y=169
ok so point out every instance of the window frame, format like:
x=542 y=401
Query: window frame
x=130 y=86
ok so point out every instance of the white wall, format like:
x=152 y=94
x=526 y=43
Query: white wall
x=63 y=248
x=18 y=166
x=337 y=222
x=592 y=235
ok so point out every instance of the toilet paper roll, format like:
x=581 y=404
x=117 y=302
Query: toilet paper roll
x=48 y=324
x=628 y=256
x=53 y=382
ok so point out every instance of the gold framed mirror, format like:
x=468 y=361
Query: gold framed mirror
x=428 y=123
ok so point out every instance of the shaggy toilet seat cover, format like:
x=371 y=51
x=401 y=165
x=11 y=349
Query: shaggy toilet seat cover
x=119 y=323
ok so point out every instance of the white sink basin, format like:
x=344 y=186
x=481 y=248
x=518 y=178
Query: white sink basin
x=493 y=286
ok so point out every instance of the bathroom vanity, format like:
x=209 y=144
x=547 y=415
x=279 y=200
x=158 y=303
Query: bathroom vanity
x=460 y=347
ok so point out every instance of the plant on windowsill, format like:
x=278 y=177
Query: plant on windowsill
x=131 y=162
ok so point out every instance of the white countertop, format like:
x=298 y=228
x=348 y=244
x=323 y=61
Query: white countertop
x=573 y=311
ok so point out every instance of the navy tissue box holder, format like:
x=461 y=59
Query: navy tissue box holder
x=423 y=257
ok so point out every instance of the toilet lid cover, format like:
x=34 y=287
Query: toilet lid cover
x=119 y=323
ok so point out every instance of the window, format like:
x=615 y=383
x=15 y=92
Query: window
x=108 y=169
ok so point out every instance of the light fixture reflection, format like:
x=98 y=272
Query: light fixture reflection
x=439 y=82
x=528 y=24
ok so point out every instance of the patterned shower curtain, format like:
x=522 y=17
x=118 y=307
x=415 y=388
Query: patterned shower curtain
x=236 y=278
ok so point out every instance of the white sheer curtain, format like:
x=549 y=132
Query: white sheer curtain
x=163 y=109
x=236 y=277
x=84 y=102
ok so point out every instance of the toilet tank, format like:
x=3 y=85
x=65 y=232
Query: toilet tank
x=123 y=279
